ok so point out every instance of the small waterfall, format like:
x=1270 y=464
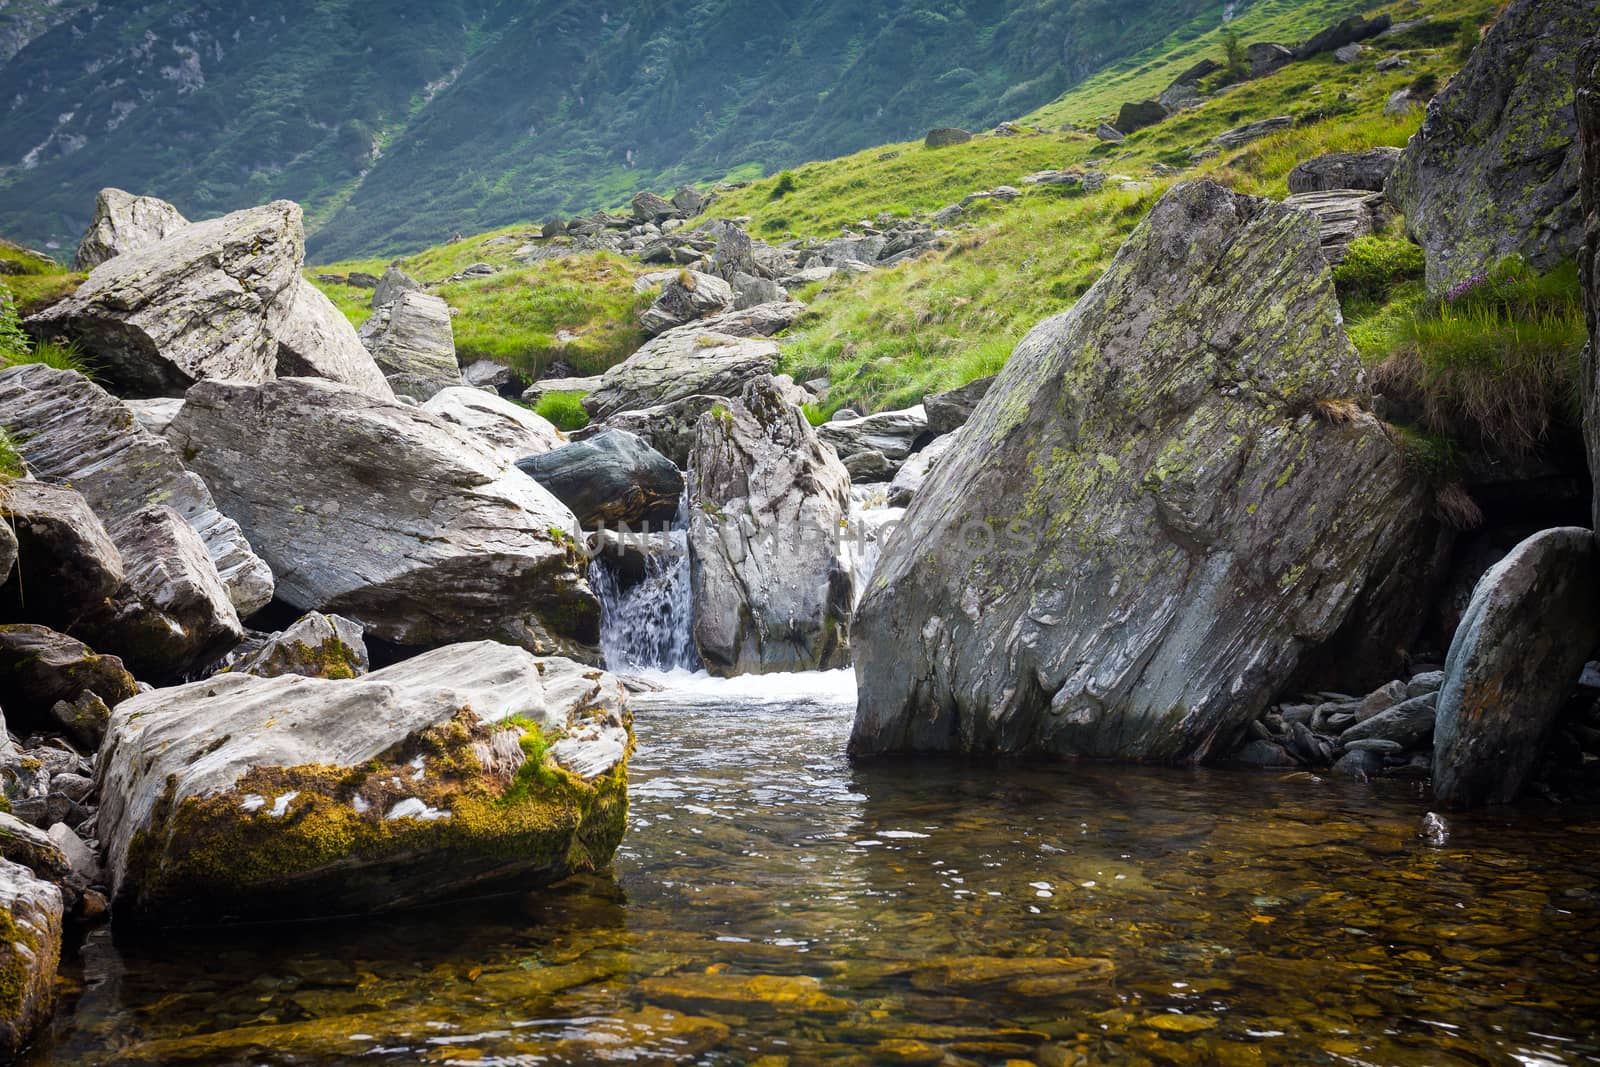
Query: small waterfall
x=867 y=527
x=642 y=580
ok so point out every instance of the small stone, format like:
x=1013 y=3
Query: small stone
x=1381 y=699
x=1430 y=682
x=1382 y=746
x=1359 y=764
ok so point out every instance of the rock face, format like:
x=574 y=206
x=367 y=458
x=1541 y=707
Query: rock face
x=125 y=223
x=206 y=302
x=893 y=433
x=30 y=952
x=1342 y=216
x=679 y=364
x=63 y=550
x=247 y=797
x=1076 y=582
x=689 y=296
x=771 y=590
x=390 y=516
x=949 y=411
x=317 y=341
x=668 y=428
x=512 y=428
x=1367 y=170
x=414 y=345
x=1514 y=661
x=613 y=478
x=73 y=432
x=1494 y=169
x=1588 y=111
x=317 y=646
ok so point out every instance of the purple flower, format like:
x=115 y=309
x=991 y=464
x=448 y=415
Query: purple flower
x=1461 y=289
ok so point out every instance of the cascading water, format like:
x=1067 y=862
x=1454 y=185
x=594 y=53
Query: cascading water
x=646 y=610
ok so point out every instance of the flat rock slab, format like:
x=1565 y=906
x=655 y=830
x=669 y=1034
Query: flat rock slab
x=679 y=364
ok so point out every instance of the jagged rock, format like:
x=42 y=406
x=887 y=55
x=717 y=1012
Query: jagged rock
x=945 y=136
x=492 y=377
x=1349 y=31
x=30 y=952
x=840 y=252
x=908 y=480
x=612 y=478
x=317 y=341
x=390 y=516
x=868 y=466
x=1178 y=96
x=1402 y=101
x=248 y=797
x=495 y=421
x=668 y=428
x=648 y=207
x=949 y=411
x=761 y=320
x=690 y=296
x=1240 y=136
x=125 y=223
x=67 y=565
x=82 y=719
x=1367 y=170
x=1074 y=581
x=1193 y=75
x=1514 y=661
x=750 y=291
x=679 y=364
x=156 y=414
x=414 y=345
x=896 y=434
x=766 y=499
x=206 y=302
x=394 y=284
x=1107 y=132
x=1136 y=115
x=1588 y=115
x=1342 y=216
x=1266 y=57
x=689 y=201
x=317 y=646
x=1494 y=169
x=73 y=432
x=39 y=667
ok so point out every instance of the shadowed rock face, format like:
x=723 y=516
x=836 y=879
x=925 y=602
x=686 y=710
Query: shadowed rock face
x=611 y=478
x=1151 y=516
x=1494 y=169
x=1588 y=111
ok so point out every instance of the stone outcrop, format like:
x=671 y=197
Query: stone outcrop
x=668 y=428
x=317 y=646
x=1494 y=169
x=1367 y=170
x=512 y=428
x=1342 y=216
x=1074 y=581
x=317 y=341
x=1515 y=659
x=613 y=478
x=247 y=797
x=1346 y=32
x=125 y=223
x=766 y=499
x=896 y=434
x=688 y=297
x=679 y=364
x=389 y=515
x=30 y=952
x=413 y=344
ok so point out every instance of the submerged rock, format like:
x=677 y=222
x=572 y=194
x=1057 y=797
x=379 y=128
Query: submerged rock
x=613 y=478
x=1494 y=169
x=390 y=516
x=125 y=223
x=766 y=499
x=30 y=952
x=1074 y=579
x=1515 y=659
x=251 y=798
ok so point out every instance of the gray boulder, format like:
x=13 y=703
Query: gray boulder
x=1136 y=115
x=540 y=389
x=760 y=320
x=155 y=414
x=945 y=136
x=317 y=646
x=253 y=798
x=390 y=516
x=771 y=590
x=1406 y=724
x=949 y=411
x=1078 y=582
x=317 y=341
x=125 y=223
x=394 y=284
x=868 y=466
x=679 y=364
x=63 y=550
x=1240 y=136
x=39 y=667
x=686 y=298
x=1348 y=31
x=913 y=473
x=1494 y=169
x=206 y=302
x=413 y=344
x=1515 y=659
x=1342 y=216
x=750 y=291
x=896 y=434
x=650 y=207
x=73 y=432
x=1107 y=132
x=30 y=952
x=493 y=377
x=1266 y=57
x=495 y=421
x=1367 y=170
x=689 y=201
x=668 y=428
x=612 y=478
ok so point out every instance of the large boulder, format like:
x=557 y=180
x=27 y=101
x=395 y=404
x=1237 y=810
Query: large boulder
x=470 y=768
x=317 y=341
x=1266 y=57
x=414 y=345
x=1137 y=114
x=1588 y=111
x=679 y=364
x=668 y=428
x=913 y=473
x=30 y=952
x=1348 y=31
x=492 y=419
x=758 y=320
x=688 y=297
x=896 y=434
x=771 y=590
x=206 y=302
x=125 y=223
x=67 y=563
x=1170 y=493
x=945 y=136
x=390 y=516
x=38 y=667
x=1515 y=659
x=613 y=478
x=1367 y=170
x=72 y=432
x=1494 y=169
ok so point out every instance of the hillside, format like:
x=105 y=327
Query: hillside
x=396 y=133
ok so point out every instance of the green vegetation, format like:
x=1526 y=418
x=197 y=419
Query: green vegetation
x=1374 y=268
x=17 y=348
x=11 y=465
x=33 y=280
x=564 y=410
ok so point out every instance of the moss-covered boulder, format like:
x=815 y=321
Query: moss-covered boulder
x=316 y=646
x=1494 y=169
x=30 y=952
x=39 y=667
x=1169 y=495
x=469 y=768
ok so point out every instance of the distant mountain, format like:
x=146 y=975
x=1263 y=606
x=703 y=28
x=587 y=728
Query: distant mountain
x=399 y=124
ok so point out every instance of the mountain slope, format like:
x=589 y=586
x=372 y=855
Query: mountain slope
x=397 y=129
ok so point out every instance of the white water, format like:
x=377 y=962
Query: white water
x=648 y=626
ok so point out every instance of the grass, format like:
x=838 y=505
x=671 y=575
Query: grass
x=564 y=410
x=33 y=280
x=11 y=465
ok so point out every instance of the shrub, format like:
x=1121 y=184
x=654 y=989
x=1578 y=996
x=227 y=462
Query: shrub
x=785 y=185
x=57 y=354
x=1375 y=266
x=13 y=342
x=10 y=459
x=564 y=410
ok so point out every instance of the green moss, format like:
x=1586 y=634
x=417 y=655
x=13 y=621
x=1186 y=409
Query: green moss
x=14 y=965
x=564 y=409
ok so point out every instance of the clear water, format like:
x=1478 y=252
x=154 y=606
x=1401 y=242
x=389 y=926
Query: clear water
x=773 y=903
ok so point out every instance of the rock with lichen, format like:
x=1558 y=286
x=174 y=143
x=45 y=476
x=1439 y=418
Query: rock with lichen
x=1169 y=495
x=39 y=667
x=122 y=223
x=1588 y=111
x=470 y=768
x=679 y=364
x=689 y=296
x=317 y=646
x=30 y=952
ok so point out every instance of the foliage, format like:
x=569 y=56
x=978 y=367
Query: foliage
x=1374 y=267
x=13 y=341
x=784 y=185
x=564 y=409
x=11 y=465
x=57 y=354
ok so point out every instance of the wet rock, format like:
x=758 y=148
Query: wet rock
x=756 y=995
x=1342 y=217
x=390 y=516
x=1025 y=633
x=316 y=340
x=205 y=302
x=414 y=345
x=62 y=549
x=1350 y=30
x=613 y=478
x=1240 y=136
x=33 y=848
x=1382 y=699
x=30 y=952
x=945 y=136
x=680 y=364
x=247 y=797
x=1038 y=976
x=895 y=434
x=950 y=410
x=1407 y=723
x=497 y=422
x=1494 y=169
x=1433 y=829
x=39 y=667
x=766 y=500
x=1513 y=663
x=1360 y=764
x=688 y=297
x=1367 y=170
x=317 y=646
x=668 y=428
x=125 y=223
